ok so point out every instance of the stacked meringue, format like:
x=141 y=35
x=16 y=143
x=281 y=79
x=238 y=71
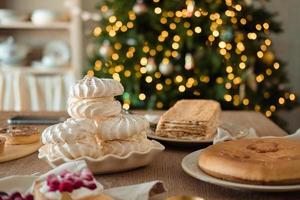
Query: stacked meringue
x=98 y=126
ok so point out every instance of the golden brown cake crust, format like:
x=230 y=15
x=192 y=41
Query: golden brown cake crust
x=258 y=161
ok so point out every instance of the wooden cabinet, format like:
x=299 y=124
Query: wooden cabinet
x=37 y=36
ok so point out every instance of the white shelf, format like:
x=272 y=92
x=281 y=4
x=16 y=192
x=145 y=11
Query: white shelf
x=36 y=70
x=30 y=25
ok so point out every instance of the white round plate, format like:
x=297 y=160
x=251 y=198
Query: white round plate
x=179 y=142
x=190 y=166
x=112 y=163
x=153 y=120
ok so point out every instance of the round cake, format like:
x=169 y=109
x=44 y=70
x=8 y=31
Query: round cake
x=268 y=161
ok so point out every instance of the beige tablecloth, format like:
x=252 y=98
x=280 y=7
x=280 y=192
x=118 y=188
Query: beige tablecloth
x=22 y=91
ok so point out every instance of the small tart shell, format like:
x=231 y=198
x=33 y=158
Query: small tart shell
x=20 y=135
x=22 y=139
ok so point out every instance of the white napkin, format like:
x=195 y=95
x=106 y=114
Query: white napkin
x=150 y=190
x=232 y=132
x=143 y=191
x=152 y=119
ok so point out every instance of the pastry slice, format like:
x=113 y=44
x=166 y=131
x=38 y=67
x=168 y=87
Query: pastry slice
x=190 y=119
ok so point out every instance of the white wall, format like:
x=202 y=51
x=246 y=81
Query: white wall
x=287 y=44
x=287 y=47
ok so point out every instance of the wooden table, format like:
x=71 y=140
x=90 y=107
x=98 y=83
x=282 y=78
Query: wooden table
x=167 y=166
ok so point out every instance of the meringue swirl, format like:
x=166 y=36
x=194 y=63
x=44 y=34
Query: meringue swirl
x=69 y=131
x=137 y=143
x=121 y=126
x=84 y=148
x=72 y=139
x=95 y=109
x=92 y=87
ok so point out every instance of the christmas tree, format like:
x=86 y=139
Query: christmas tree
x=163 y=51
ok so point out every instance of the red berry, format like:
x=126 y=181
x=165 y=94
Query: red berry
x=66 y=186
x=16 y=195
x=17 y=198
x=69 y=177
x=51 y=178
x=78 y=184
x=53 y=184
x=29 y=197
x=86 y=171
x=86 y=174
x=63 y=173
x=53 y=188
x=90 y=185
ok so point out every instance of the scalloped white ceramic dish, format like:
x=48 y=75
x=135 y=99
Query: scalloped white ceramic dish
x=112 y=163
x=190 y=165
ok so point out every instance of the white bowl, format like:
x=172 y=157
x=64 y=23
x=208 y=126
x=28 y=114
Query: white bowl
x=43 y=16
x=6 y=13
x=111 y=163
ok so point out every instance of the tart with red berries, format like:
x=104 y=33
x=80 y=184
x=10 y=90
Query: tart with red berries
x=70 y=185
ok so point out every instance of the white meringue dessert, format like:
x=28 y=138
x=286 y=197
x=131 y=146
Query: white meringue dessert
x=72 y=139
x=70 y=131
x=136 y=143
x=108 y=140
x=95 y=109
x=92 y=87
x=121 y=127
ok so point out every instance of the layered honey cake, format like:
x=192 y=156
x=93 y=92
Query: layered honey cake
x=270 y=161
x=190 y=120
